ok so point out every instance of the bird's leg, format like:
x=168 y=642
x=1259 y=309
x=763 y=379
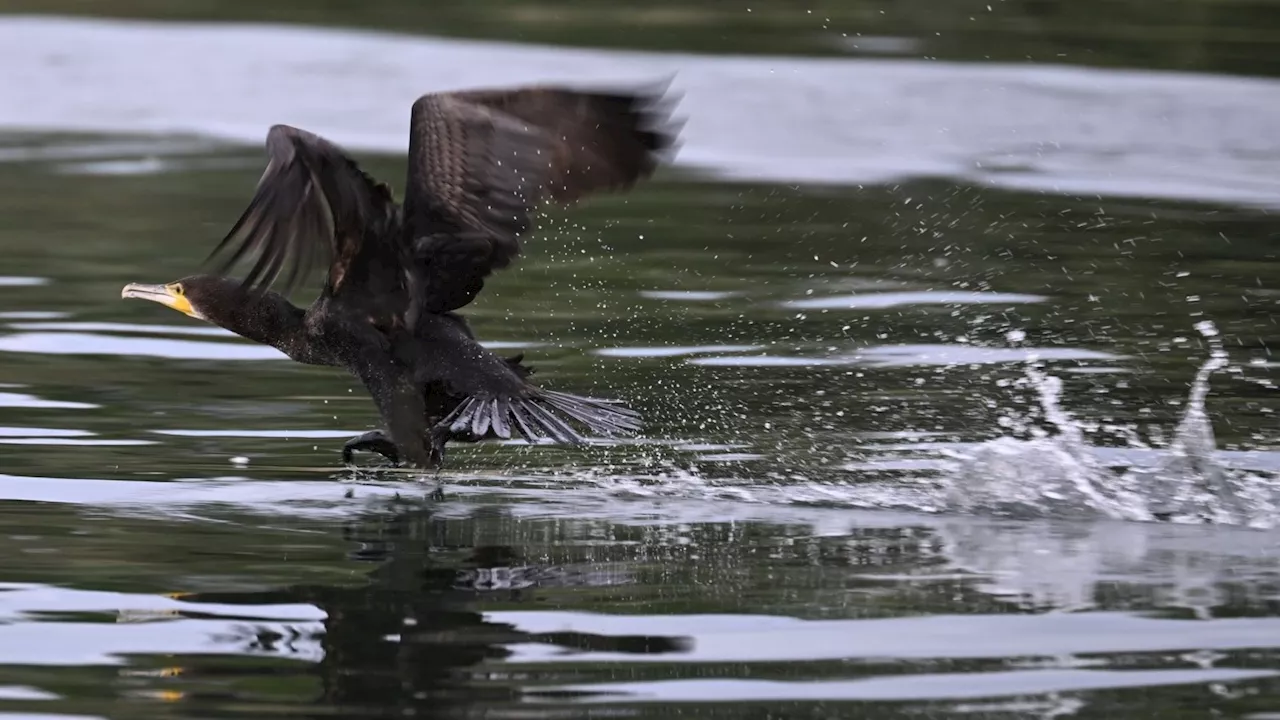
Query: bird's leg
x=400 y=404
x=372 y=441
x=439 y=436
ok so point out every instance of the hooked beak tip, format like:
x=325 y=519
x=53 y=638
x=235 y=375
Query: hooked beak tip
x=139 y=290
x=168 y=295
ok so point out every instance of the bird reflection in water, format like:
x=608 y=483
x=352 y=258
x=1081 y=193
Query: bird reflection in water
x=408 y=641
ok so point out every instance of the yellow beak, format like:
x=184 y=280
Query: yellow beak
x=168 y=295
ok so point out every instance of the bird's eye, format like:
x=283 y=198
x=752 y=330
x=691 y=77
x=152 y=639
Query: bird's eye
x=179 y=289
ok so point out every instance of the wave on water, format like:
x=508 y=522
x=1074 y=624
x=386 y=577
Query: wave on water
x=1056 y=128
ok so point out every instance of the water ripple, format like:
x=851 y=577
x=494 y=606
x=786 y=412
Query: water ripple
x=766 y=638
x=861 y=301
x=23 y=400
x=83 y=343
x=672 y=350
x=914 y=687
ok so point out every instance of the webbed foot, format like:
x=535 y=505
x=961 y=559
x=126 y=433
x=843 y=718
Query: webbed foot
x=372 y=441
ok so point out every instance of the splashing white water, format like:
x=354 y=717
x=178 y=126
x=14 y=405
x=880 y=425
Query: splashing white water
x=1053 y=474
x=1061 y=475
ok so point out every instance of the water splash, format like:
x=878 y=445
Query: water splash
x=1188 y=483
x=1042 y=468
x=1061 y=475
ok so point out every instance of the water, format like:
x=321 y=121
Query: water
x=1057 y=128
x=936 y=443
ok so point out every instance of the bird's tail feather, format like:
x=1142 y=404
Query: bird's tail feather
x=541 y=417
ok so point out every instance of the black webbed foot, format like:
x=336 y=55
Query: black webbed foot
x=378 y=441
x=372 y=441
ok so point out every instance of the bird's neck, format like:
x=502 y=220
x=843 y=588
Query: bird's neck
x=271 y=319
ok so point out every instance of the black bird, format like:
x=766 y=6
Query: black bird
x=480 y=162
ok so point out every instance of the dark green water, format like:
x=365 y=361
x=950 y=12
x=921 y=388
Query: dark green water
x=797 y=535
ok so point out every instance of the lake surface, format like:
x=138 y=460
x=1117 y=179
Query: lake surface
x=927 y=438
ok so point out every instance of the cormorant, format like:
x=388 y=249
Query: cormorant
x=479 y=164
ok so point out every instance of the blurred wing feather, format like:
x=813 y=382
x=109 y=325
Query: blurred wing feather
x=480 y=162
x=312 y=203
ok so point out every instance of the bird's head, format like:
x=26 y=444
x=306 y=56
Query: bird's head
x=262 y=316
x=205 y=297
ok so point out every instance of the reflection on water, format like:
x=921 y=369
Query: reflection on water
x=892 y=299
x=82 y=343
x=918 y=449
x=461 y=608
x=23 y=400
x=903 y=355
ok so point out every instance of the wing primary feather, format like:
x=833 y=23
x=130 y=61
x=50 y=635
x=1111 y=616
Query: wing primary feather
x=448 y=420
x=250 y=220
x=299 y=236
x=597 y=405
x=501 y=411
x=268 y=268
x=524 y=425
x=482 y=161
x=587 y=411
x=311 y=225
x=554 y=425
x=480 y=420
x=250 y=212
x=462 y=423
x=545 y=431
x=598 y=423
x=311 y=199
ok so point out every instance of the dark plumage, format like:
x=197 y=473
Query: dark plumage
x=480 y=163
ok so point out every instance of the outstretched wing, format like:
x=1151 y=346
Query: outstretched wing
x=312 y=202
x=481 y=161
